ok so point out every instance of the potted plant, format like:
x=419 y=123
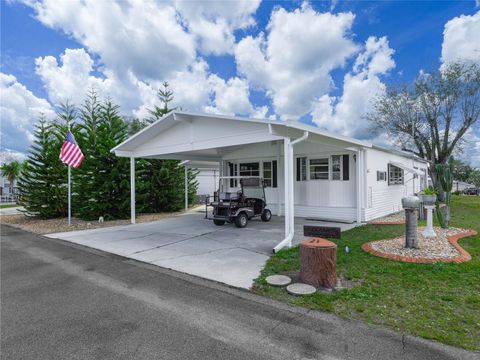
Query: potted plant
x=429 y=196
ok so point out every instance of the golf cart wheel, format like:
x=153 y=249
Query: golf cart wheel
x=219 y=222
x=241 y=220
x=266 y=215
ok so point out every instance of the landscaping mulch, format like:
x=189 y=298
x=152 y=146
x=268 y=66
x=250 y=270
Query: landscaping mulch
x=48 y=226
x=431 y=249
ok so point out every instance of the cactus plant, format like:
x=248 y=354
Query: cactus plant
x=445 y=177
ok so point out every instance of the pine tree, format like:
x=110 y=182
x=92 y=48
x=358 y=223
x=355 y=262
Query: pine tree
x=85 y=179
x=165 y=96
x=42 y=184
x=161 y=185
x=104 y=178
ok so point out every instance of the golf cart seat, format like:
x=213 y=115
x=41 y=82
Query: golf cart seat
x=256 y=203
x=227 y=196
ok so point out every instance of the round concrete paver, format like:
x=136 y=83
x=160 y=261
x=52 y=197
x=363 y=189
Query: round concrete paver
x=278 y=280
x=300 y=289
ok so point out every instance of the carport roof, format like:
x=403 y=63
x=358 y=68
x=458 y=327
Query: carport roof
x=175 y=116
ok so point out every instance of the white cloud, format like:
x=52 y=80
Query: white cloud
x=461 y=39
x=72 y=78
x=19 y=110
x=344 y=114
x=144 y=38
x=470 y=149
x=213 y=22
x=7 y=156
x=196 y=89
x=140 y=45
x=231 y=97
x=292 y=63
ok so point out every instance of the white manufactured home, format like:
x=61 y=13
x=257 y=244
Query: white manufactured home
x=309 y=172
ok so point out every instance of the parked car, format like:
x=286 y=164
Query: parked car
x=471 y=191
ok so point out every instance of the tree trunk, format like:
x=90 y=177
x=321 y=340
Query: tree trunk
x=318 y=259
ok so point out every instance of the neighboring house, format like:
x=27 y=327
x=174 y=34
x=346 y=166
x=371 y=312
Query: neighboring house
x=5 y=186
x=323 y=175
x=461 y=185
x=6 y=194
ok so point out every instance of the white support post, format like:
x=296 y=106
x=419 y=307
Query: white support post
x=359 y=186
x=291 y=190
x=279 y=203
x=132 y=190
x=286 y=180
x=186 y=188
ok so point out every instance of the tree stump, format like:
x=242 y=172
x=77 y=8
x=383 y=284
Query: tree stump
x=318 y=263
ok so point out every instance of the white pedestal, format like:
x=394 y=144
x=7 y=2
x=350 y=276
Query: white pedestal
x=429 y=232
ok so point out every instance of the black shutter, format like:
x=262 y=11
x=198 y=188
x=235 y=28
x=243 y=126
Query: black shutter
x=274 y=173
x=230 y=167
x=299 y=165
x=346 y=167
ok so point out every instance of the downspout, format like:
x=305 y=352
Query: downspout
x=289 y=192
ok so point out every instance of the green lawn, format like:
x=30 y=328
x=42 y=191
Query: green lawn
x=4 y=206
x=435 y=301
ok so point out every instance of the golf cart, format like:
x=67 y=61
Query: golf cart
x=240 y=206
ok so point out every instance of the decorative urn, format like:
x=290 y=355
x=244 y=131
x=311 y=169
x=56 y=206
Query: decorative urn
x=429 y=200
x=411 y=202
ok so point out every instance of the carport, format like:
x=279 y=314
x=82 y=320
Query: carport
x=200 y=139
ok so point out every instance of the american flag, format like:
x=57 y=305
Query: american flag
x=71 y=153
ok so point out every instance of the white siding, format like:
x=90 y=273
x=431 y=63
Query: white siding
x=384 y=199
x=326 y=199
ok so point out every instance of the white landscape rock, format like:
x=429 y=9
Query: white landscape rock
x=278 y=280
x=300 y=289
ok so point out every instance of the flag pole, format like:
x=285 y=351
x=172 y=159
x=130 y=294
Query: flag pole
x=69 y=189
x=69 y=196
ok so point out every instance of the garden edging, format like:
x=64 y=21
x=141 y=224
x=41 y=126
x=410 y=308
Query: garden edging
x=453 y=239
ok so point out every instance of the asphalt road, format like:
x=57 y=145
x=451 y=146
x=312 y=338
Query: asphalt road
x=64 y=301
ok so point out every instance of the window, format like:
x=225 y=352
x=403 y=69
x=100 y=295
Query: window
x=250 y=169
x=336 y=167
x=267 y=173
x=395 y=175
x=381 y=176
x=233 y=172
x=301 y=169
x=319 y=169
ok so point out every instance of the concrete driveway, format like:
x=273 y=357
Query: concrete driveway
x=191 y=244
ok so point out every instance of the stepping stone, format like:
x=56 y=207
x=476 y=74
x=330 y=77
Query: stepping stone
x=300 y=289
x=278 y=280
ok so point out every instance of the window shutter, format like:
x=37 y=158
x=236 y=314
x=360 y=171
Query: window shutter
x=346 y=167
x=230 y=167
x=274 y=173
x=299 y=165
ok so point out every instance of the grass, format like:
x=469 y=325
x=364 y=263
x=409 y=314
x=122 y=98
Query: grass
x=5 y=206
x=435 y=301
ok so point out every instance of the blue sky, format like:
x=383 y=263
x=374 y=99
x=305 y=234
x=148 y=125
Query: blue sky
x=317 y=62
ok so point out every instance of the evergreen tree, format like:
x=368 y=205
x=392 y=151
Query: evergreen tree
x=42 y=184
x=104 y=178
x=85 y=179
x=108 y=183
x=165 y=96
x=161 y=182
